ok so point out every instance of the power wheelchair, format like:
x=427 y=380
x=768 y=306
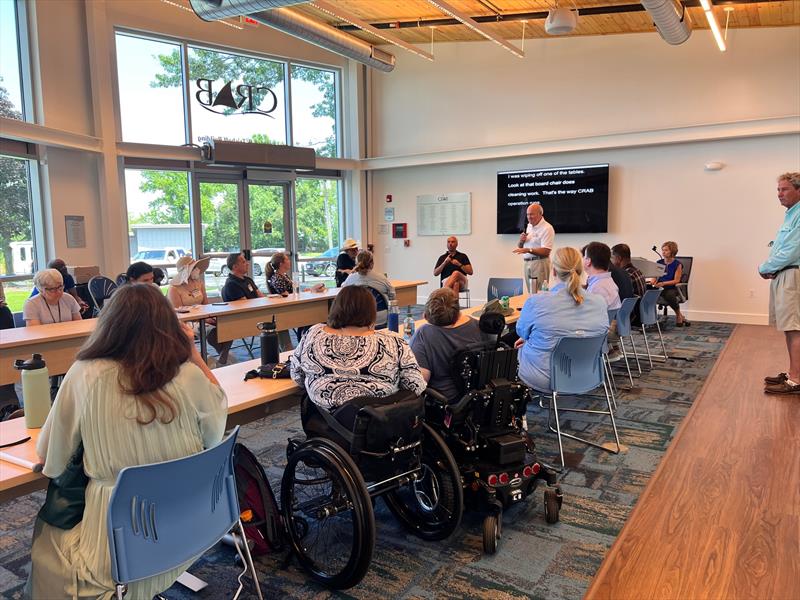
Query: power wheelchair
x=486 y=430
x=368 y=447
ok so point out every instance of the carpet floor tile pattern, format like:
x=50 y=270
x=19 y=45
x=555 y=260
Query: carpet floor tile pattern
x=534 y=559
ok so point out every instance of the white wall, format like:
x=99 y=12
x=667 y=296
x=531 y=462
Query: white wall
x=476 y=94
x=479 y=94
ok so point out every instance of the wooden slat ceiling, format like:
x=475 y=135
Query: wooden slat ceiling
x=407 y=13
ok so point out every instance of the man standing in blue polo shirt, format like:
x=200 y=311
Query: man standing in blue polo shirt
x=783 y=268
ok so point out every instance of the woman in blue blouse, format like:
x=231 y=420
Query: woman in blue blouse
x=673 y=271
x=567 y=311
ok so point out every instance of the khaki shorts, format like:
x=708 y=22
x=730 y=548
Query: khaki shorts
x=784 y=301
x=536 y=268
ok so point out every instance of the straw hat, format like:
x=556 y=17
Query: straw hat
x=185 y=265
x=350 y=244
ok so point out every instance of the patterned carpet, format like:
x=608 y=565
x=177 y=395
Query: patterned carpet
x=534 y=560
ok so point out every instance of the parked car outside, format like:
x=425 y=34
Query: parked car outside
x=261 y=256
x=164 y=256
x=324 y=264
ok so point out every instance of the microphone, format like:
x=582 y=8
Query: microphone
x=654 y=249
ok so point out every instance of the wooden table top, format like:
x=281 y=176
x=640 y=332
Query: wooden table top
x=242 y=395
x=26 y=336
x=720 y=518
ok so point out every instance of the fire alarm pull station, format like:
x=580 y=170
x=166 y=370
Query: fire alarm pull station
x=399 y=230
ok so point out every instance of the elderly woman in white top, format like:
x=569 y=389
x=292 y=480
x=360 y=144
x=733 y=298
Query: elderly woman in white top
x=188 y=288
x=51 y=304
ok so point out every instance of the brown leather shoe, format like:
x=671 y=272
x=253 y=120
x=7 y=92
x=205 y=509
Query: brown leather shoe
x=784 y=388
x=779 y=378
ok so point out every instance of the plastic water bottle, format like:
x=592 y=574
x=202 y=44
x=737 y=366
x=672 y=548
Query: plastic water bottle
x=408 y=326
x=393 y=317
x=35 y=390
x=545 y=286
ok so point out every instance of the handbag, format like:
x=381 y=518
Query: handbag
x=281 y=370
x=66 y=495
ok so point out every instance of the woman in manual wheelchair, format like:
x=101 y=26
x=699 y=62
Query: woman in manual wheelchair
x=363 y=417
x=477 y=404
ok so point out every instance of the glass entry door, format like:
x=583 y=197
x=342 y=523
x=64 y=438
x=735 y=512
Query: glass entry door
x=269 y=207
x=220 y=227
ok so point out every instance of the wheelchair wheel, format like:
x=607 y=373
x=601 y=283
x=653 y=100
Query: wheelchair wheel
x=328 y=514
x=552 y=504
x=492 y=530
x=431 y=506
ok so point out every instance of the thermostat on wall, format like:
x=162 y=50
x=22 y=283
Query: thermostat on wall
x=399 y=230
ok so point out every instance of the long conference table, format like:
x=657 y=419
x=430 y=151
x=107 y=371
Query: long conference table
x=58 y=343
x=247 y=401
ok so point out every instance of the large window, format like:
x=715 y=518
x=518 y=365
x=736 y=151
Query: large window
x=19 y=246
x=314 y=110
x=318 y=226
x=150 y=96
x=159 y=229
x=11 y=105
x=228 y=94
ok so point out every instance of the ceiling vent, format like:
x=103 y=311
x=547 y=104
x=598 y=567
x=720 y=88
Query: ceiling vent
x=270 y=13
x=670 y=19
x=561 y=21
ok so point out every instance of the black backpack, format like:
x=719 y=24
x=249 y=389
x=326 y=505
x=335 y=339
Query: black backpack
x=258 y=509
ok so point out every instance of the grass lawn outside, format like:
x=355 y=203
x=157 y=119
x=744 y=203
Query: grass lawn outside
x=16 y=298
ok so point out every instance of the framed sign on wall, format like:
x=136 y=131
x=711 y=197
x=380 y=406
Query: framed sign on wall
x=444 y=214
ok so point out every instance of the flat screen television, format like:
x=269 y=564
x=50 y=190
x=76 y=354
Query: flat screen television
x=575 y=199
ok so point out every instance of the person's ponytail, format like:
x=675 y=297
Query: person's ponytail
x=568 y=266
x=574 y=287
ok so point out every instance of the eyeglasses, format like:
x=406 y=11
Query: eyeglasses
x=59 y=288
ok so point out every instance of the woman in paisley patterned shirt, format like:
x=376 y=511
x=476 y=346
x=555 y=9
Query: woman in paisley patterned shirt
x=346 y=357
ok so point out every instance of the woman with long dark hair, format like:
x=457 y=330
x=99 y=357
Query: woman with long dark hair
x=139 y=393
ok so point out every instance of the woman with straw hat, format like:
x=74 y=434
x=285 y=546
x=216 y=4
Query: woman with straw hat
x=188 y=288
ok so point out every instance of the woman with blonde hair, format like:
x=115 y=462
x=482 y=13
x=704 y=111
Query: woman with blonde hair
x=139 y=393
x=566 y=311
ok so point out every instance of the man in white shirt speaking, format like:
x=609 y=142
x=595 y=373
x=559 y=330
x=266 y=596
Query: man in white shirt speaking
x=535 y=244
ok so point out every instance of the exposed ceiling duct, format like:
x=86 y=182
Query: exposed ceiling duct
x=212 y=10
x=271 y=13
x=670 y=19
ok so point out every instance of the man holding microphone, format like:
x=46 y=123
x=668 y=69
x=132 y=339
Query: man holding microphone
x=535 y=244
x=453 y=267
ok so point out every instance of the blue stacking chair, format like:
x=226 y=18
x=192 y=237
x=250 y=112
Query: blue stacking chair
x=163 y=515
x=624 y=330
x=648 y=314
x=576 y=367
x=503 y=286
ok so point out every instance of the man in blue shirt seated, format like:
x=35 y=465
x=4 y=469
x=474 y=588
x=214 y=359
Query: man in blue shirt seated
x=239 y=285
x=596 y=263
x=783 y=268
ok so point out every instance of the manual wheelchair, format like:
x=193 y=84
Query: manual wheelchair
x=367 y=448
x=486 y=430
